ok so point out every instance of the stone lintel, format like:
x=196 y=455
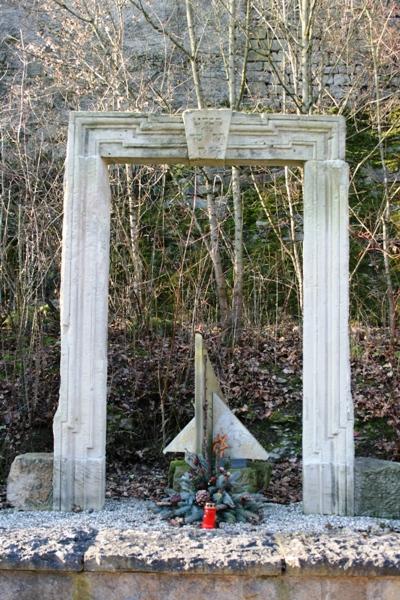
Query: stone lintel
x=253 y=139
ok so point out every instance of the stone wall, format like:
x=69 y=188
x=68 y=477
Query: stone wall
x=33 y=585
x=124 y=565
x=341 y=60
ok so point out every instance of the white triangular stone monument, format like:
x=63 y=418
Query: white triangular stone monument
x=220 y=420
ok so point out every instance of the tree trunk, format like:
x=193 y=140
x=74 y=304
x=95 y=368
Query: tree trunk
x=385 y=218
x=307 y=8
x=211 y=206
x=237 y=296
x=295 y=253
x=216 y=257
x=134 y=218
x=237 y=299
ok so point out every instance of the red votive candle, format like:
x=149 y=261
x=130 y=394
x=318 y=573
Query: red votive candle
x=209 y=516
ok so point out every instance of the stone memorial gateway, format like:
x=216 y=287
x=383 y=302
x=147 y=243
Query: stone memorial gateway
x=219 y=138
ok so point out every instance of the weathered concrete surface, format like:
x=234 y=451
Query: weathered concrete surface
x=195 y=551
x=40 y=550
x=36 y=585
x=30 y=482
x=130 y=565
x=355 y=555
x=377 y=488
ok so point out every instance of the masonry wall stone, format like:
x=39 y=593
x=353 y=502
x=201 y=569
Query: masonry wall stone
x=336 y=77
x=141 y=586
x=123 y=565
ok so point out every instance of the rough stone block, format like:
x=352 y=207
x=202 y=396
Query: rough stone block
x=30 y=482
x=255 y=56
x=377 y=488
x=256 y=66
x=167 y=586
x=133 y=564
x=42 y=549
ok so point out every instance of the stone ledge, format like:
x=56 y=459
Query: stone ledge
x=199 y=552
x=336 y=554
x=189 y=552
x=40 y=550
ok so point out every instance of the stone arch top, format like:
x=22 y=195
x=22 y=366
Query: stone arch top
x=253 y=139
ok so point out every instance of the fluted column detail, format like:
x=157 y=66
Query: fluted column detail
x=328 y=449
x=80 y=422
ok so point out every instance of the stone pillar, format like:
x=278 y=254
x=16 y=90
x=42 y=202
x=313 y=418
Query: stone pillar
x=80 y=422
x=328 y=447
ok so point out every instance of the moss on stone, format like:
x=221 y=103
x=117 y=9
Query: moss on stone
x=81 y=588
x=179 y=464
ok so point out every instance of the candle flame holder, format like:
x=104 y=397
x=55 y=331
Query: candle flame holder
x=209 y=516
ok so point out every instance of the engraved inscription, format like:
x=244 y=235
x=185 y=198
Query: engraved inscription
x=207 y=133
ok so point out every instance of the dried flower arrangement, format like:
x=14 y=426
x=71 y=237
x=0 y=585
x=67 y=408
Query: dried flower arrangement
x=204 y=483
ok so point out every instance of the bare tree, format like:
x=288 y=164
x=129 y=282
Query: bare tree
x=376 y=48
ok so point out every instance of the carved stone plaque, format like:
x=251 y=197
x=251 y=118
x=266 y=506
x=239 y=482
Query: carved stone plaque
x=207 y=133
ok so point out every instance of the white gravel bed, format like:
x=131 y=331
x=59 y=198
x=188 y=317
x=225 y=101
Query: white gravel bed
x=138 y=515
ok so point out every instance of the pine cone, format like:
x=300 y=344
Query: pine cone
x=202 y=497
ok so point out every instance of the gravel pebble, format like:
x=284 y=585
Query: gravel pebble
x=138 y=514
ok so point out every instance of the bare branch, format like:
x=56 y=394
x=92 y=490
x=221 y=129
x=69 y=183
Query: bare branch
x=138 y=4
